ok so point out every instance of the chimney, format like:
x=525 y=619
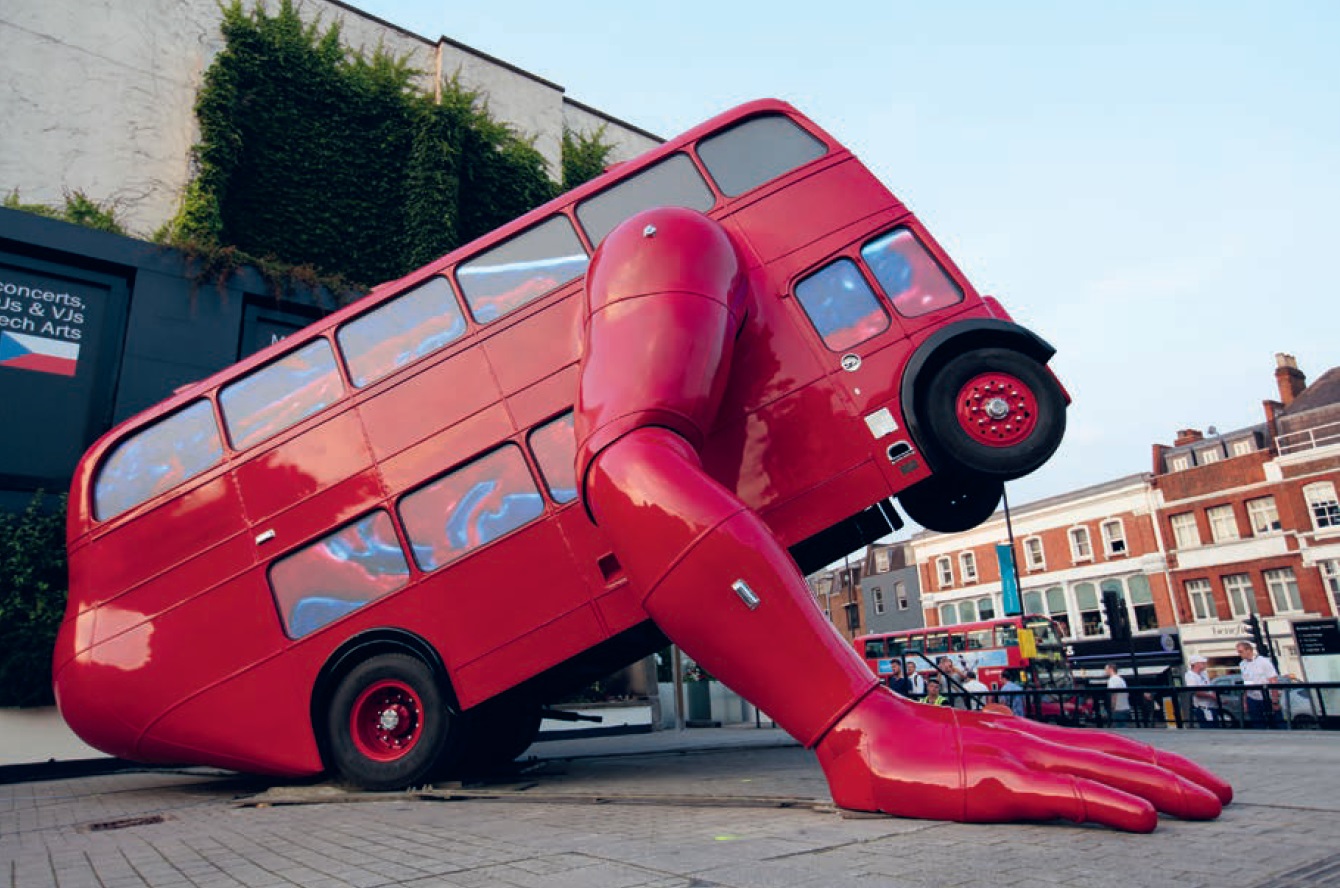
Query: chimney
x=1187 y=436
x=1289 y=378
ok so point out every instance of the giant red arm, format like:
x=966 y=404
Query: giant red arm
x=667 y=294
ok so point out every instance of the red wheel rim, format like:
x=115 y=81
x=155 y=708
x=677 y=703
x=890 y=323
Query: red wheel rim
x=997 y=409
x=387 y=720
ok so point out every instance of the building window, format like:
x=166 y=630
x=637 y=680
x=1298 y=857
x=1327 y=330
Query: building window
x=944 y=570
x=1223 y=523
x=1058 y=610
x=1034 y=558
x=1283 y=588
x=1114 y=537
x=877 y=599
x=1202 y=600
x=1184 y=530
x=986 y=609
x=1080 y=548
x=1179 y=463
x=1321 y=502
x=1090 y=616
x=967 y=612
x=1209 y=455
x=882 y=561
x=948 y=616
x=1241 y=596
x=1142 y=603
x=967 y=563
x=1330 y=575
x=900 y=595
x=1262 y=516
x=1244 y=446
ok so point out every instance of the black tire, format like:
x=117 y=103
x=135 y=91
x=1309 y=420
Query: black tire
x=389 y=723
x=498 y=731
x=959 y=419
x=950 y=503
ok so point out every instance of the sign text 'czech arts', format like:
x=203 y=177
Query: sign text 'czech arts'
x=40 y=329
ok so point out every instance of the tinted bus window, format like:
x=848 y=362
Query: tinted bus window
x=756 y=151
x=910 y=276
x=674 y=182
x=555 y=449
x=470 y=507
x=841 y=305
x=157 y=459
x=338 y=574
x=279 y=395
x=522 y=269
x=874 y=648
x=413 y=324
x=979 y=639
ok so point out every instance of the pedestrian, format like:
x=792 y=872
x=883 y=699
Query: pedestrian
x=933 y=696
x=1117 y=700
x=1204 y=704
x=952 y=679
x=1257 y=670
x=1013 y=700
x=916 y=684
x=898 y=682
x=975 y=690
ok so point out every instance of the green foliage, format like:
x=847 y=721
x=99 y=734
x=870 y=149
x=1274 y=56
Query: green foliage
x=314 y=155
x=78 y=208
x=585 y=156
x=33 y=585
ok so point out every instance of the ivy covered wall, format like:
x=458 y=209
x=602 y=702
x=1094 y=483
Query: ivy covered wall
x=315 y=155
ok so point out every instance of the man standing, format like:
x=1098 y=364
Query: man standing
x=1014 y=700
x=976 y=690
x=898 y=682
x=1118 y=700
x=1204 y=706
x=1257 y=670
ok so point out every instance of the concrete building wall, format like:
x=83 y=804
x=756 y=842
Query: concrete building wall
x=99 y=95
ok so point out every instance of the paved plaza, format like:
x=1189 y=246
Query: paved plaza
x=733 y=807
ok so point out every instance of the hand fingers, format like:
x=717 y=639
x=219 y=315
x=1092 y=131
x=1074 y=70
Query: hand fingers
x=1166 y=790
x=1004 y=792
x=1126 y=748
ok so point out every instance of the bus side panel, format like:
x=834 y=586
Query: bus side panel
x=821 y=507
x=303 y=466
x=257 y=721
x=432 y=456
x=532 y=349
x=438 y=398
x=529 y=655
x=180 y=528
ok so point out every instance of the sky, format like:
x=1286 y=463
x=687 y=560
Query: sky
x=1153 y=187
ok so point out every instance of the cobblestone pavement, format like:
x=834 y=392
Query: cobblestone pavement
x=735 y=807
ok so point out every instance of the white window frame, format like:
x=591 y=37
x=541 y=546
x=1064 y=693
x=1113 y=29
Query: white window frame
x=1282 y=584
x=967 y=565
x=900 y=595
x=1179 y=463
x=1223 y=523
x=1244 y=446
x=877 y=600
x=1323 y=506
x=883 y=560
x=1081 y=547
x=944 y=572
x=1034 y=560
x=1263 y=516
x=1114 y=537
x=982 y=604
x=1330 y=578
x=1209 y=455
x=951 y=610
x=1185 y=532
x=1240 y=593
x=1201 y=596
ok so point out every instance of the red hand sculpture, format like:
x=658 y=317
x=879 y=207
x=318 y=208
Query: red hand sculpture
x=667 y=295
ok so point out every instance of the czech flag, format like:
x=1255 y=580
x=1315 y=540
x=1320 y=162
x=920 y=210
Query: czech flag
x=38 y=353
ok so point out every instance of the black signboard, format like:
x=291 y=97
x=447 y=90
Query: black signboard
x=1317 y=637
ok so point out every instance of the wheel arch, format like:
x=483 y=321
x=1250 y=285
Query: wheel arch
x=947 y=343
x=359 y=648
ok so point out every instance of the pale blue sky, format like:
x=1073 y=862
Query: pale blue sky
x=1152 y=186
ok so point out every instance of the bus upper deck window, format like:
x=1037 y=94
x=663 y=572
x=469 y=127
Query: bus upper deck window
x=279 y=395
x=756 y=151
x=413 y=324
x=156 y=459
x=841 y=305
x=910 y=276
x=522 y=269
x=1007 y=636
x=674 y=182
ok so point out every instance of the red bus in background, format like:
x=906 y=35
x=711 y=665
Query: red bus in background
x=361 y=549
x=1030 y=644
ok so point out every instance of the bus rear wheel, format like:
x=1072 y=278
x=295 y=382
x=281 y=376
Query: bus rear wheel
x=388 y=723
x=950 y=503
x=995 y=412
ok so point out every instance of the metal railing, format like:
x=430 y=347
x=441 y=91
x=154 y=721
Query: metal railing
x=1309 y=439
